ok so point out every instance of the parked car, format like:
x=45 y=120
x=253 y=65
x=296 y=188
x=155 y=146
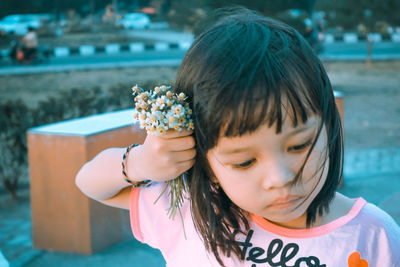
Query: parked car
x=19 y=23
x=134 y=21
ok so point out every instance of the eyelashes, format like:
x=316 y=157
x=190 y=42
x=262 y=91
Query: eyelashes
x=244 y=165
x=297 y=149
x=300 y=148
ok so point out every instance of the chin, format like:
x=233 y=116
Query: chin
x=283 y=218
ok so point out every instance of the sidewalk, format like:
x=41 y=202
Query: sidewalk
x=382 y=189
x=162 y=35
x=16 y=243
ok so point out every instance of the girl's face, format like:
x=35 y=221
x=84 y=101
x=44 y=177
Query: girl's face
x=257 y=170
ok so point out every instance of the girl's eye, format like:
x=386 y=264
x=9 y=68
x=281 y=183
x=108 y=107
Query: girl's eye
x=300 y=148
x=244 y=165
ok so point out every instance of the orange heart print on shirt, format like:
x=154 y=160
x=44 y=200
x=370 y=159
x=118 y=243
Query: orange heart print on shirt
x=356 y=261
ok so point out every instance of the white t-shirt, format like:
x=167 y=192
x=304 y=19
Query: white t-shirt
x=365 y=235
x=30 y=40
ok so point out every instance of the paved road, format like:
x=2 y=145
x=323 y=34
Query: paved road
x=120 y=57
x=101 y=61
x=381 y=50
x=333 y=51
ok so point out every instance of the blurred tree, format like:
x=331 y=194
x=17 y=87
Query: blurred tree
x=143 y=3
x=51 y=6
x=306 y=5
x=188 y=14
x=348 y=14
x=166 y=6
x=267 y=7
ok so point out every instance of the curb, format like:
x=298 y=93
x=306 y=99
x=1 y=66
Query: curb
x=112 y=48
x=87 y=50
x=351 y=37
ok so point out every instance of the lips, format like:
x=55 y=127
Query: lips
x=284 y=202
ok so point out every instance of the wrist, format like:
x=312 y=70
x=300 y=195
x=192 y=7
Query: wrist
x=129 y=167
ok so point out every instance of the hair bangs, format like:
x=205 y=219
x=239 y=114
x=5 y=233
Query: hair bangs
x=277 y=94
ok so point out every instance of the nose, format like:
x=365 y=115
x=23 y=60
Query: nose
x=277 y=173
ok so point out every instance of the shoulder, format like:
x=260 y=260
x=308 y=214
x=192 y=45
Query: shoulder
x=378 y=226
x=375 y=216
x=150 y=217
x=363 y=212
x=379 y=233
x=366 y=219
x=152 y=224
x=154 y=198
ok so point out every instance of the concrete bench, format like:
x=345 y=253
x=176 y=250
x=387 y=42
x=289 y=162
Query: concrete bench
x=63 y=219
x=339 y=103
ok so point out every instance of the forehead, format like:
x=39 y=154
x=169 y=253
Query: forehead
x=265 y=134
x=276 y=113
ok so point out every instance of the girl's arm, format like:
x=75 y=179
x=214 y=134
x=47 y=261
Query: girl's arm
x=101 y=178
x=159 y=158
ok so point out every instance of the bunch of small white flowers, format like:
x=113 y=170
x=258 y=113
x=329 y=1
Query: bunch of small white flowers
x=157 y=111
x=160 y=110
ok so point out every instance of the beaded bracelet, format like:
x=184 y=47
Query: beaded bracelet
x=124 y=158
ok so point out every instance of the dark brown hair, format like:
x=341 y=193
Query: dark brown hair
x=243 y=62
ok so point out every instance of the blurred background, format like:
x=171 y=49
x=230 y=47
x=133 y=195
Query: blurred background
x=62 y=60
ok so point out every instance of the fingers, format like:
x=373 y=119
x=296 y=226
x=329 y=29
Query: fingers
x=181 y=143
x=174 y=134
x=185 y=155
x=167 y=156
x=178 y=143
x=184 y=166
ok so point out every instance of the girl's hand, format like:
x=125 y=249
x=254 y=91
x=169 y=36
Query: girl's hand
x=162 y=158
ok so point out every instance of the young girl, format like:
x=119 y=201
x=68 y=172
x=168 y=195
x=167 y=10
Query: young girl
x=263 y=162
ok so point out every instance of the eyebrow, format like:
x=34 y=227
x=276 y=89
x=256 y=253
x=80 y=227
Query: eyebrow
x=234 y=151
x=238 y=150
x=300 y=129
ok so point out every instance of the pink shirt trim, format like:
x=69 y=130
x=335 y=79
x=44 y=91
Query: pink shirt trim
x=312 y=232
x=134 y=213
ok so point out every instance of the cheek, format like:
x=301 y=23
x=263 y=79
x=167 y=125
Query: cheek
x=219 y=172
x=318 y=162
x=222 y=175
x=234 y=186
